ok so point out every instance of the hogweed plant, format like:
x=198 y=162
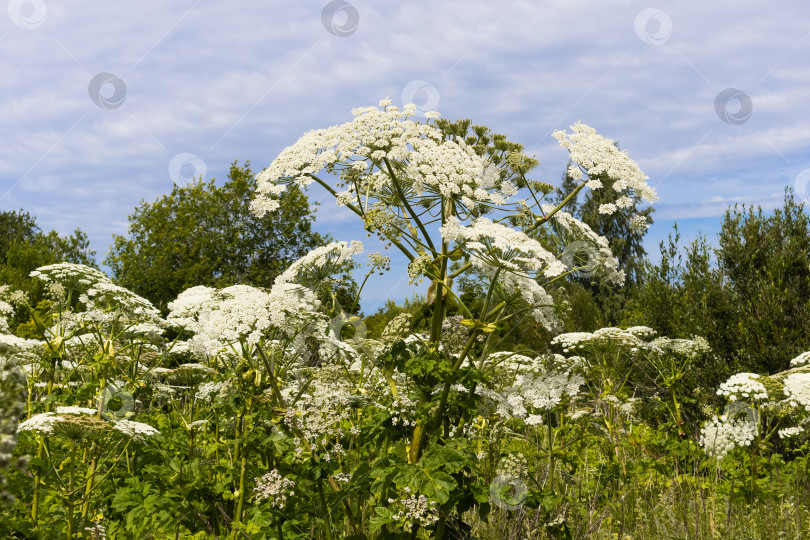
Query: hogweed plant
x=262 y=413
x=441 y=192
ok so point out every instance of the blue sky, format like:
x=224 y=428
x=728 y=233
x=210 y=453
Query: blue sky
x=105 y=104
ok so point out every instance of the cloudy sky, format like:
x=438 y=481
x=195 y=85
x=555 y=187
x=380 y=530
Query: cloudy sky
x=103 y=104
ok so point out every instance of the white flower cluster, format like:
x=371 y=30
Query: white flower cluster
x=274 y=488
x=801 y=360
x=499 y=245
x=97 y=531
x=719 y=436
x=403 y=411
x=240 y=312
x=321 y=411
x=42 y=423
x=454 y=170
x=96 y=291
x=545 y=392
x=434 y=166
x=210 y=390
x=184 y=311
x=790 y=432
x=797 y=390
x=690 y=348
x=540 y=388
x=743 y=386
x=513 y=465
x=601 y=258
x=418 y=267
x=639 y=223
x=75 y=410
x=512 y=362
x=6 y=310
x=604 y=337
x=598 y=155
x=527 y=288
x=12 y=405
x=642 y=332
x=328 y=258
x=136 y=430
x=414 y=509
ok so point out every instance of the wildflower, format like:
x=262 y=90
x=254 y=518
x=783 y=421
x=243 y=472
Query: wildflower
x=719 y=436
x=599 y=155
x=790 y=432
x=743 y=386
x=75 y=410
x=801 y=360
x=136 y=430
x=274 y=488
x=797 y=390
x=41 y=423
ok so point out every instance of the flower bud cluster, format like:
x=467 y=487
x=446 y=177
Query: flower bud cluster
x=743 y=386
x=274 y=488
x=719 y=436
x=414 y=509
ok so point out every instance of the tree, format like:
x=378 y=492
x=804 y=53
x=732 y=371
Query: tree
x=203 y=234
x=766 y=260
x=24 y=247
x=750 y=297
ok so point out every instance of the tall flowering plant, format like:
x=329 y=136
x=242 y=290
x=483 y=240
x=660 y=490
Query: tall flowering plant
x=453 y=202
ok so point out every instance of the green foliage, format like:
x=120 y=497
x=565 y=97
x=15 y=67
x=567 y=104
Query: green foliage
x=24 y=247
x=750 y=297
x=204 y=234
x=416 y=307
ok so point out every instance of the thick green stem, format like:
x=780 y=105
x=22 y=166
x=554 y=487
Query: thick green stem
x=37 y=481
x=324 y=510
x=556 y=209
x=241 y=498
x=241 y=458
x=71 y=484
x=407 y=205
